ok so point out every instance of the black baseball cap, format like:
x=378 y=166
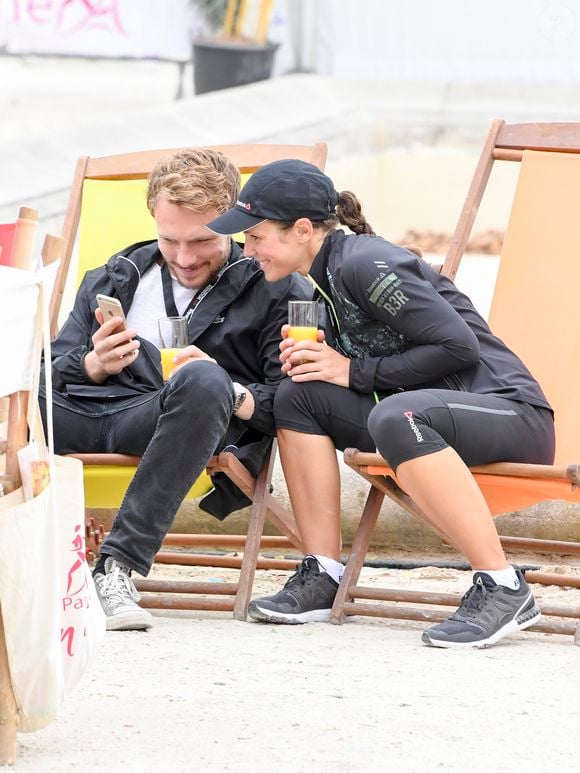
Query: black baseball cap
x=282 y=190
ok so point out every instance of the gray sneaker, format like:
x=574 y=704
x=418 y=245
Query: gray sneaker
x=119 y=597
x=487 y=613
x=307 y=597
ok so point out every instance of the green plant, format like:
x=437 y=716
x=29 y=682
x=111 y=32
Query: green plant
x=214 y=11
x=227 y=19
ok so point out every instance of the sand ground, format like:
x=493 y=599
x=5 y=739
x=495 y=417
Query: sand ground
x=202 y=692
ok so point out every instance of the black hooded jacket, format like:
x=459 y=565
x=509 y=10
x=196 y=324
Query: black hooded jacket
x=237 y=323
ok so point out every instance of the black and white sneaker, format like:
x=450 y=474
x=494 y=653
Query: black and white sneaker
x=487 y=613
x=307 y=597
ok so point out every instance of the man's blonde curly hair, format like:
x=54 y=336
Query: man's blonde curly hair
x=197 y=178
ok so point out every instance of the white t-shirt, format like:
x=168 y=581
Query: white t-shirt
x=148 y=305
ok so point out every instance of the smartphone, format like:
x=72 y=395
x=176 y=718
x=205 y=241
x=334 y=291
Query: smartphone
x=111 y=307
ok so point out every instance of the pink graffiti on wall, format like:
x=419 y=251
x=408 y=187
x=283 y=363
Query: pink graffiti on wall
x=70 y=16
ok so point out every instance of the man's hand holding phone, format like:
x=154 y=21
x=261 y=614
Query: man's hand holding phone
x=114 y=345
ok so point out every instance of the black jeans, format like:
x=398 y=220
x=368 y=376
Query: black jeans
x=175 y=430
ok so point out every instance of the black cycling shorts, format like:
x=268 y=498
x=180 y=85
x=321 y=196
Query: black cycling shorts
x=407 y=425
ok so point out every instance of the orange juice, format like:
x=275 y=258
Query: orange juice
x=302 y=333
x=167 y=363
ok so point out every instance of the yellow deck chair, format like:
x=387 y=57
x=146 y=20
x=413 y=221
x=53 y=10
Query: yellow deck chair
x=107 y=209
x=536 y=311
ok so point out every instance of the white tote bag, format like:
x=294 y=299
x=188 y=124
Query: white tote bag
x=53 y=620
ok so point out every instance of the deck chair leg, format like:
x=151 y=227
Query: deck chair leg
x=285 y=524
x=252 y=548
x=8 y=710
x=277 y=514
x=357 y=554
x=16 y=435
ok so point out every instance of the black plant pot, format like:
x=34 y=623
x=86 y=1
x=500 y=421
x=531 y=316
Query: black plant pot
x=221 y=64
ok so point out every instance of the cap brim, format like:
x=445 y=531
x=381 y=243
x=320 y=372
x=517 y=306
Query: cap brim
x=233 y=222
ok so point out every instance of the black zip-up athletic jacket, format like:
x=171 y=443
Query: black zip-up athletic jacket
x=238 y=323
x=405 y=326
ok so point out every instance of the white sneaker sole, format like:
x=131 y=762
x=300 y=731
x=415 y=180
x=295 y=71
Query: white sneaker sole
x=508 y=628
x=263 y=615
x=138 y=620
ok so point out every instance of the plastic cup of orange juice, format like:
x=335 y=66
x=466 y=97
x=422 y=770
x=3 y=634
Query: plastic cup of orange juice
x=303 y=320
x=173 y=335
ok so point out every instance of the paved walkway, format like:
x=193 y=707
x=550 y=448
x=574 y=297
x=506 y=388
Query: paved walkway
x=54 y=110
x=202 y=692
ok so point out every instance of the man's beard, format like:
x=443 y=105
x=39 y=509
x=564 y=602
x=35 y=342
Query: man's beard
x=212 y=278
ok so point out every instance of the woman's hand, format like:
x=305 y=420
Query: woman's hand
x=313 y=360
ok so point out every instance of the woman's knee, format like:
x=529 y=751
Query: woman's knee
x=288 y=400
x=399 y=430
x=297 y=404
x=386 y=418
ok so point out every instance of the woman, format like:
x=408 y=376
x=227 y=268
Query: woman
x=406 y=365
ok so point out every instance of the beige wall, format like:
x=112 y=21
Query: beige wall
x=422 y=188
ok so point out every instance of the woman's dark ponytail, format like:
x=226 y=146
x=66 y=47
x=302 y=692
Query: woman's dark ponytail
x=349 y=212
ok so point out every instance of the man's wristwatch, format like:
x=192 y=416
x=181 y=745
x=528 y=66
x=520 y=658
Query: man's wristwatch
x=240 y=394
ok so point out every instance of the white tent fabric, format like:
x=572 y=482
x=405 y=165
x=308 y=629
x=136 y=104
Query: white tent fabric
x=19 y=291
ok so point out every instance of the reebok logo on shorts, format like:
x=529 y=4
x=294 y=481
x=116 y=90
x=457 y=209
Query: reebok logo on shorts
x=409 y=416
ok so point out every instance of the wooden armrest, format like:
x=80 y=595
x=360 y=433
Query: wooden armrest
x=118 y=460
x=520 y=470
x=357 y=459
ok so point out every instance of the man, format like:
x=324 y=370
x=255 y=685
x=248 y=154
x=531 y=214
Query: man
x=109 y=395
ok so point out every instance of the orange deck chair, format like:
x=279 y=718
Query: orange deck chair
x=536 y=311
x=112 y=189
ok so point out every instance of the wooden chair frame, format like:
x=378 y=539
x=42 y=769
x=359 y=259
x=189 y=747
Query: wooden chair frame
x=138 y=165
x=536 y=482
x=181 y=594
x=176 y=594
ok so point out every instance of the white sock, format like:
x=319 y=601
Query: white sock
x=507 y=577
x=334 y=568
